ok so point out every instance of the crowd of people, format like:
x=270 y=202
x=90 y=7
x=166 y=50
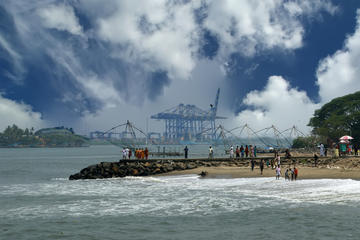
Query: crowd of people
x=241 y=152
x=140 y=153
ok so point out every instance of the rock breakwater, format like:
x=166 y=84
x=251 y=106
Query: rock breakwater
x=137 y=168
x=125 y=168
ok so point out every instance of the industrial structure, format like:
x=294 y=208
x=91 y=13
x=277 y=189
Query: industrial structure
x=188 y=122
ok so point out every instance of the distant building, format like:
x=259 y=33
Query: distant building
x=56 y=130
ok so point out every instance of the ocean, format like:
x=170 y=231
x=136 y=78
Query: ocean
x=38 y=202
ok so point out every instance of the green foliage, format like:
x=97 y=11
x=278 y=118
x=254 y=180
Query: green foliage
x=14 y=136
x=339 y=117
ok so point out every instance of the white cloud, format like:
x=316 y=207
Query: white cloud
x=338 y=74
x=92 y=85
x=16 y=58
x=248 y=26
x=160 y=34
x=277 y=104
x=21 y=114
x=61 y=17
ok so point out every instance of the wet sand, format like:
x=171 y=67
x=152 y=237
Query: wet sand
x=334 y=172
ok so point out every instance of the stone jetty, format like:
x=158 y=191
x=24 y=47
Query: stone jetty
x=125 y=168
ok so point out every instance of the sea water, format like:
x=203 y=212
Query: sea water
x=38 y=202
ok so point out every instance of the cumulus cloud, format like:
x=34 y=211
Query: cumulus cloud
x=161 y=34
x=277 y=104
x=339 y=73
x=60 y=17
x=18 y=113
x=248 y=26
x=129 y=51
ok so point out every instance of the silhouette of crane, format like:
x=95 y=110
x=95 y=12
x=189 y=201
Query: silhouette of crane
x=189 y=122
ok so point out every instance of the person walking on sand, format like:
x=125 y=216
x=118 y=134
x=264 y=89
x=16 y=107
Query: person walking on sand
x=186 y=150
x=252 y=164
x=278 y=172
x=211 y=152
x=246 y=151
x=261 y=166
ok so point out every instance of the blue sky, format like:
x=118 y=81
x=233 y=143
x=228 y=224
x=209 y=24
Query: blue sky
x=90 y=65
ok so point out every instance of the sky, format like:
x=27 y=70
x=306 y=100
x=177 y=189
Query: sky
x=91 y=65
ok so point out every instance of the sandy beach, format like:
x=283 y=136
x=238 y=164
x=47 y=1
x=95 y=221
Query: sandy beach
x=322 y=172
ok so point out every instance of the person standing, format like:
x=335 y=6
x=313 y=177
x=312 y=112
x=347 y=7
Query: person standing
x=237 y=152
x=251 y=151
x=255 y=151
x=287 y=175
x=296 y=173
x=231 y=152
x=242 y=151
x=211 y=152
x=127 y=153
x=124 y=154
x=322 y=150
x=186 y=151
x=246 y=151
x=278 y=159
x=146 y=153
x=261 y=166
x=130 y=153
x=278 y=172
x=252 y=164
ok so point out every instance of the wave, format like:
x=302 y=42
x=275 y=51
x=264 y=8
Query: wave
x=171 y=195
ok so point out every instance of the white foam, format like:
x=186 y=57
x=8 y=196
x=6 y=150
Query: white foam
x=173 y=195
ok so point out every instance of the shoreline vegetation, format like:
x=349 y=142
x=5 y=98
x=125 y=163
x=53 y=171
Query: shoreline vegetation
x=347 y=167
x=15 y=137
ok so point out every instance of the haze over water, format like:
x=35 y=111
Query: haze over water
x=38 y=202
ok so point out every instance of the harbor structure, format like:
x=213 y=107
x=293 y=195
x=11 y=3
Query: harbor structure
x=188 y=122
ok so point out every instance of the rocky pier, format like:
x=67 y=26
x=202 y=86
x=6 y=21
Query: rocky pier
x=125 y=168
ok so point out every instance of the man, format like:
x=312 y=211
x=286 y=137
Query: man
x=261 y=166
x=127 y=150
x=186 y=150
x=231 y=152
x=146 y=153
x=211 y=152
x=237 y=152
x=123 y=153
x=296 y=173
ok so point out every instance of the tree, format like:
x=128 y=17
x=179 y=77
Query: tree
x=339 y=117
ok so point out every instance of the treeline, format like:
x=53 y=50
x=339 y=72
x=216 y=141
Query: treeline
x=339 y=117
x=13 y=136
